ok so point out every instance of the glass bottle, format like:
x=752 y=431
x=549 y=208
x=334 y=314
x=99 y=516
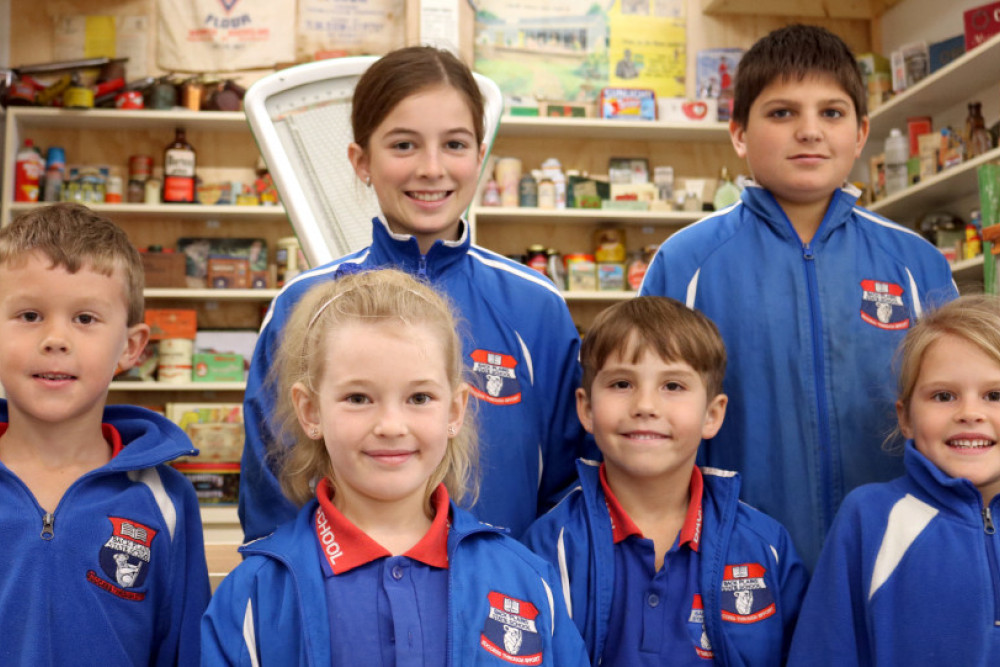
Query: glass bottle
x=178 y=170
x=727 y=193
x=978 y=136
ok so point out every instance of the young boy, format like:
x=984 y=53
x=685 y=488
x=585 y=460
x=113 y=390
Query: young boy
x=811 y=292
x=100 y=543
x=660 y=562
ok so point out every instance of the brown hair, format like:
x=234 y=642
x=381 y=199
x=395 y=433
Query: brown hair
x=974 y=318
x=796 y=51
x=369 y=296
x=73 y=237
x=663 y=325
x=403 y=72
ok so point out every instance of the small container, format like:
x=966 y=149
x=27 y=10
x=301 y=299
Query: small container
x=113 y=193
x=175 y=360
x=609 y=245
x=135 y=193
x=491 y=194
x=140 y=167
x=581 y=272
x=508 y=177
x=528 y=191
x=153 y=191
x=286 y=256
x=546 y=194
x=555 y=268
x=538 y=258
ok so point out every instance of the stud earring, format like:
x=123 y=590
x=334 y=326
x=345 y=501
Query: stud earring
x=314 y=433
x=452 y=431
x=368 y=181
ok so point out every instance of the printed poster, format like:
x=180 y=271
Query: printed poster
x=571 y=49
x=223 y=35
x=350 y=27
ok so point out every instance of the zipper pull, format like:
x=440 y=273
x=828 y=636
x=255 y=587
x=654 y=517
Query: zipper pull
x=48 y=526
x=807 y=252
x=422 y=267
x=988 y=522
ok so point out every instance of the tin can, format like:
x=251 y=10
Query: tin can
x=286 y=256
x=140 y=167
x=113 y=190
x=130 y=99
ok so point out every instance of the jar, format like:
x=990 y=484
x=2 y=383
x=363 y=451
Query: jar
x=538 y=259
x=546 y=194
x=528 y=191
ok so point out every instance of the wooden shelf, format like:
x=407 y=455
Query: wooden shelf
x=622 y=130
x=592 y=295
x=942 y=90
x=541 y=216
x=838 y=9
x=938 y=190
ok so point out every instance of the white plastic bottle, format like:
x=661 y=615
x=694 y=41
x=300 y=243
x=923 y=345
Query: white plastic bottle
x=897 y=151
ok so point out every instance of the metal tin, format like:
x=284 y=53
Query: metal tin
x=130 y=99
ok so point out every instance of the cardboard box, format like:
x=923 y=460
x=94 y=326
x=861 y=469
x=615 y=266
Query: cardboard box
x=215 y=429
x=628 y=104
x=163 y=269
x=981 y=23
x=681 y=110
x=569 y=110
x=217 y=367
x=228 y=272
x=171 y=323
x=944 y=52
x=915 y=127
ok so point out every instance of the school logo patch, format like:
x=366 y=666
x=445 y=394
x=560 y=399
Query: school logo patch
x=745 y=596
x=494 y=379
x=510 y=632
x=882 y=305
x=696 y=626
x=124 y=559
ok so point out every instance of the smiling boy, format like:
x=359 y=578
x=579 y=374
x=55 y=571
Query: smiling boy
x=100 y=542
x=811 y=292
x=660 y=561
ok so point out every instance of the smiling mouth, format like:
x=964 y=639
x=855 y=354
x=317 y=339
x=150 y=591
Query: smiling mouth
x=54 y=376
x=974 y=443
x=644 y=435
x=429 y=196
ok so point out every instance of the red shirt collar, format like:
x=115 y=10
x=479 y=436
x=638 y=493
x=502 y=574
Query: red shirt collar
x=110 y=433
x=622 y=526
x=346 y=546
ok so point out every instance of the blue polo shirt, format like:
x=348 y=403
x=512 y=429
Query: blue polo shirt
x=657 y=617
x=392 y=610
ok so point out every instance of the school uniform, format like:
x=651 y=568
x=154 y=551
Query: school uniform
x=729 y=590
x=521 y=350
x=810 y=330
x=909 y=575
x=116 y=574
x=319 y=592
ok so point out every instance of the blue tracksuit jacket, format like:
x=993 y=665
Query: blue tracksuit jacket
x=909 y=575
x=522 y=352
x=272 y=609
x=810 y=330
x=576 y=536
x=118 y=575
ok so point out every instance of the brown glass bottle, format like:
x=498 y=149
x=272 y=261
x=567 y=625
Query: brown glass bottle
x=178 y=171
x=979 y=137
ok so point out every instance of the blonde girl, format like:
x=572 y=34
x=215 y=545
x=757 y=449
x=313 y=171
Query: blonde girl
x=381 y=566
x=910 y=572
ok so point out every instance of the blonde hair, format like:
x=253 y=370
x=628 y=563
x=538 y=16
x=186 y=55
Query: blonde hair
x=974 y=318
x=372 y=297
x=72 y=236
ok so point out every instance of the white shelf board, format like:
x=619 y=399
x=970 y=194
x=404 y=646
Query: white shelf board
x=509 y=214
x=622 y=130
x=938 y=190
x=179 y=211
x=190 y=294
x=956 y=81
x=597 y=295
x=118 y=119
x=180 y=386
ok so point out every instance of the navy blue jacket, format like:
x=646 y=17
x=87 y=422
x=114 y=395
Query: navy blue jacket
x=272 y=609
x=810 y=331
x=119 y=576
x=576 y=537
x=909 y=575
x=522 y=354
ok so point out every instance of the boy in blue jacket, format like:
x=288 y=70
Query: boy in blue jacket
x=660 y=562
x=811 y=292
x=100 y=542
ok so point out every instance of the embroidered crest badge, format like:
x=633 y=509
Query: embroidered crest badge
x=882 y=305
x=494 y=379
x=125 y=558
x=696 y=626
x=745 y=595
x=510 y=632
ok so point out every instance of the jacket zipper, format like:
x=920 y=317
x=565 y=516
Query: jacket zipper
x=819 y=374
x=48 y=526
x=422 y=267
x=991 y=557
